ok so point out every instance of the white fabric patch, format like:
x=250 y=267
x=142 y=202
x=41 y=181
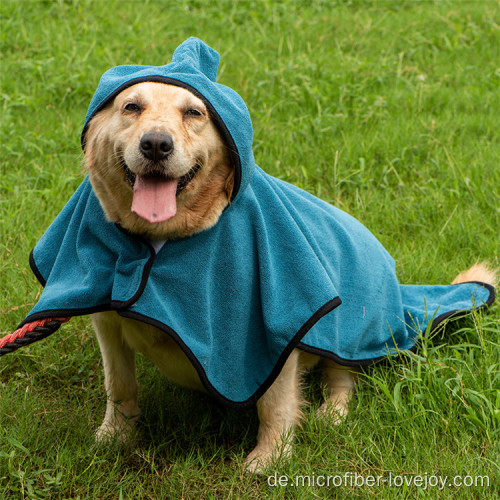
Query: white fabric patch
x=157 y=244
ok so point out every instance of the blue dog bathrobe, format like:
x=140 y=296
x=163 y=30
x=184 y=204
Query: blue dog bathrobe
x=280 y=269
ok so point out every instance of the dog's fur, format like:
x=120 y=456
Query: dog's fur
x=113 y=136
x=112 y=139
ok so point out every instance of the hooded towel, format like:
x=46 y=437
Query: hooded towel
x=280 y=269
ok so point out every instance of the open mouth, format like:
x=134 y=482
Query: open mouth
x=155 y=196
x=182 y=182
x=186 y=179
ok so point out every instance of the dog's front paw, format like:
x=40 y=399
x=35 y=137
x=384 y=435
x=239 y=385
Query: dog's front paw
x=107 y=434
x=116 y=432
x=261 y=458
x=258 y=461
x=119 y=422
x=334 y=413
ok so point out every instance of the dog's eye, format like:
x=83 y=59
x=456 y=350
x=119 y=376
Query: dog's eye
x=132 y=107
x=192 y=112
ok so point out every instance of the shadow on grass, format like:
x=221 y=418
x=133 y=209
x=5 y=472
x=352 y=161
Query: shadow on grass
x=179 y=422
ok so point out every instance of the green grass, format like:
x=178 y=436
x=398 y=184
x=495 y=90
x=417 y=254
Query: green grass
x=389 y=110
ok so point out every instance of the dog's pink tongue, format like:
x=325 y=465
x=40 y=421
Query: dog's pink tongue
x=154 y=199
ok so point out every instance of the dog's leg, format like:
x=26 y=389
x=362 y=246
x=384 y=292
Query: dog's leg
x=340 y=382
x=122 y=410
x=279 y=412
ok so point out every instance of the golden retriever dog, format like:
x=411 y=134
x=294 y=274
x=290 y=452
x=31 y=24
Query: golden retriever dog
x=151 y=132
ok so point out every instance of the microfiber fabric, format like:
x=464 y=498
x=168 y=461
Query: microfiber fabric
x=280 y=269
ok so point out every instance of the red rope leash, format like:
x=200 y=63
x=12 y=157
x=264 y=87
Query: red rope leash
x=30 y=332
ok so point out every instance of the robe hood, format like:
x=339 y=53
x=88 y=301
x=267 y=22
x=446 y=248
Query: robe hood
x=281 y=269
x=194 y=67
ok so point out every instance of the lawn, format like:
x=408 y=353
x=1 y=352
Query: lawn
x=388 y=110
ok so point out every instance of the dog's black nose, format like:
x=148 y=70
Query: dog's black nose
x=156 y=145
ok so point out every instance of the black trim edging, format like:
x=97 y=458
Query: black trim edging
x=114 y=305
x=322 y=311
x=294 y=343
x=463 y=312
x=457 y=313
x=35 y=269
x=122 y=304
x=64 y=313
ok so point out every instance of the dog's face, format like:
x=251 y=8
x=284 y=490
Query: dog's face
x=157 y=162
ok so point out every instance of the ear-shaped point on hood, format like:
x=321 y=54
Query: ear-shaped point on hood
x=197 y=54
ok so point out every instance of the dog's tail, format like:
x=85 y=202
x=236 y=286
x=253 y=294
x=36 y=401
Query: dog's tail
x=480 y=271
